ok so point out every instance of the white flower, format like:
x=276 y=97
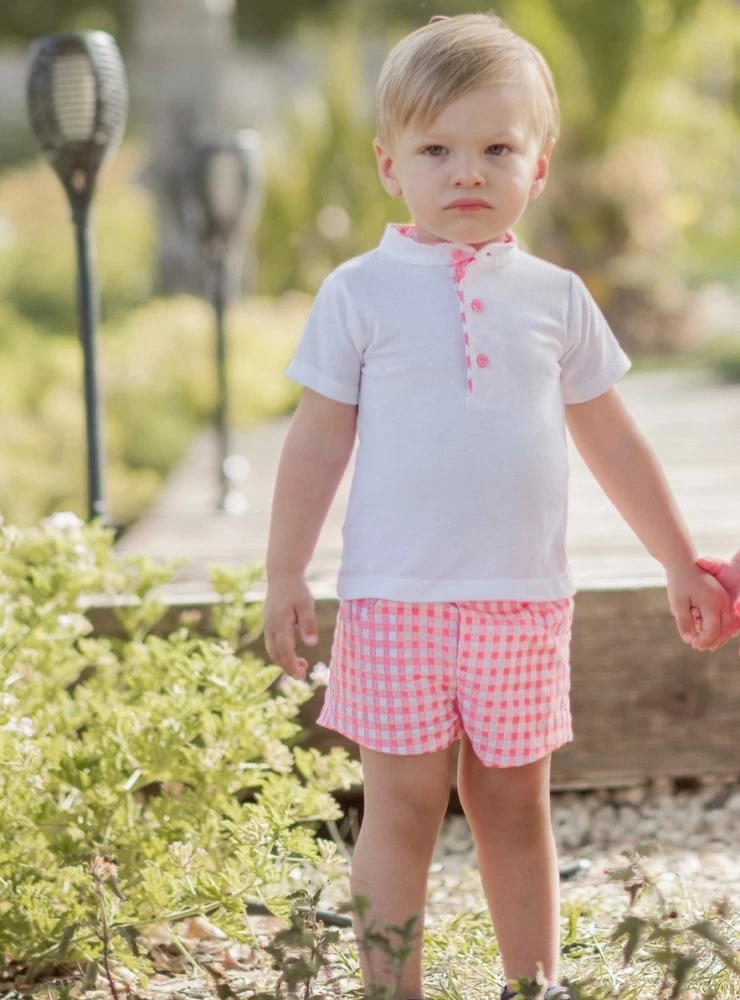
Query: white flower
x=283 y=683
x=8 y=701
x=64 y=522
x=10 y=535
x=320 y=674
x=278 y=756
x=84 y=556
x=76 y=623
x=23 y=726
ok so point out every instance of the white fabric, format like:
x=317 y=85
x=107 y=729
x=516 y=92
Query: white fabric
x=456 y=496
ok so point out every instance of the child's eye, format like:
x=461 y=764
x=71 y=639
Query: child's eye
x=434 y=150
x=498 y=149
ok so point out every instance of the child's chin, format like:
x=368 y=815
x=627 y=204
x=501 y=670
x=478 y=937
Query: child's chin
x=475 y=234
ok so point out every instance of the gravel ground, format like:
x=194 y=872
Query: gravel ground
x=697 y=832
x=697 y=862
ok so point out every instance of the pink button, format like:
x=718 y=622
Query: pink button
x=459 y=254
x=477 y=306
x=482 y=361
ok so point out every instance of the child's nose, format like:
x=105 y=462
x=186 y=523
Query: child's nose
x=467 y=174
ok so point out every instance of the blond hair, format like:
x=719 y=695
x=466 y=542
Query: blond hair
x=450 y=57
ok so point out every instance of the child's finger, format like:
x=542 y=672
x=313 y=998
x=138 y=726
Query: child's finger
x=684 y=621
x=288 y=660
x=711 y=629
x=307 y=624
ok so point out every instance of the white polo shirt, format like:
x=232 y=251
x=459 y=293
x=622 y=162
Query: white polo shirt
x=460 y=362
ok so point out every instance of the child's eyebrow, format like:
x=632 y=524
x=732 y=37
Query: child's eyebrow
x=489 y=138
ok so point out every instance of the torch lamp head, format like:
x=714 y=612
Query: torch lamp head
x=77 y=98
x=228 y=187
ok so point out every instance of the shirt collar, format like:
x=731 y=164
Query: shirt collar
x=398 y=242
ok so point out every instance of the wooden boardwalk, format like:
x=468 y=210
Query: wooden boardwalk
x=692 y=421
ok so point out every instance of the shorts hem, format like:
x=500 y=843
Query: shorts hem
x=389 y=748
x=501 y=760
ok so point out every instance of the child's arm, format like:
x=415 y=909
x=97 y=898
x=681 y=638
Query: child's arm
x=315 y=455
x=629 y=473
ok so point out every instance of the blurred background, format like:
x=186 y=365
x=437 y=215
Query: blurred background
x=643 y=202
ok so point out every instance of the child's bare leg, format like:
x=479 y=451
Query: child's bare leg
x=508 y=810
x=405 y=802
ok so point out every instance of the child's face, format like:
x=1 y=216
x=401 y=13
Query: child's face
x=468 y=176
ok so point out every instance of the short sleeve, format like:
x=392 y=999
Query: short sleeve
x=328 y=358
x=593 y=360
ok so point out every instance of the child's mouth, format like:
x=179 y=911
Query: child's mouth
x=469 y=205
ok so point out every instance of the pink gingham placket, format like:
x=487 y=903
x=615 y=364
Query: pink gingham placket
x=461 y=261
x=461 y=257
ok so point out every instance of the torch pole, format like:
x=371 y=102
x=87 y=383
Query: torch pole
x=88 y=310
x=222 y=402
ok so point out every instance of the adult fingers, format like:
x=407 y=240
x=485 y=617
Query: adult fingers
x=709 y=564
x=728 y=628
x=725 y=573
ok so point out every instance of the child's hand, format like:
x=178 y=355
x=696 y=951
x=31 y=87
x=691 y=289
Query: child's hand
x=701 y=607
x=289 y=604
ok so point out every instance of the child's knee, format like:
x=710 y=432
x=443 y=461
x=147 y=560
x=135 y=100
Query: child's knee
x=513 y=790
x=407 y=791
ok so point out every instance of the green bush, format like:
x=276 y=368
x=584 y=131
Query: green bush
x=323 y=195
x=37 y=260
x=143 y=779
x=722 y=355
x=158 y=389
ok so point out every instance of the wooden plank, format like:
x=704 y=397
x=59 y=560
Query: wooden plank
x=644 y=705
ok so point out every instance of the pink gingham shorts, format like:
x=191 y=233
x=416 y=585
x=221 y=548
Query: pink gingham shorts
x=409 y=678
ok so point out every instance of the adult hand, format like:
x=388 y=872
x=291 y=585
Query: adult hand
x=728 y=575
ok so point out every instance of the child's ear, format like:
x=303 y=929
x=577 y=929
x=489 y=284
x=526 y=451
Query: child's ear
x=541 y=172
x=386 y=170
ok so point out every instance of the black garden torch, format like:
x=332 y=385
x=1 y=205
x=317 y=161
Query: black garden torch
x=77 y=102
x=227 y=187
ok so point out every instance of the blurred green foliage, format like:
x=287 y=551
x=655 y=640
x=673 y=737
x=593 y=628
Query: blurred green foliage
x=645 y=180
x=37 y=257
x=722 y=355
x=22 y=20
x=157 y=375
x=643 y=201
x=643 y=195
x=324 y=202
x=156 y=357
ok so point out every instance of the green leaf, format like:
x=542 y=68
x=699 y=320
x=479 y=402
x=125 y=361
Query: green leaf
x=633 y=929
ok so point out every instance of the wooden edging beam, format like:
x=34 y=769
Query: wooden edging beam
x=644 y=704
